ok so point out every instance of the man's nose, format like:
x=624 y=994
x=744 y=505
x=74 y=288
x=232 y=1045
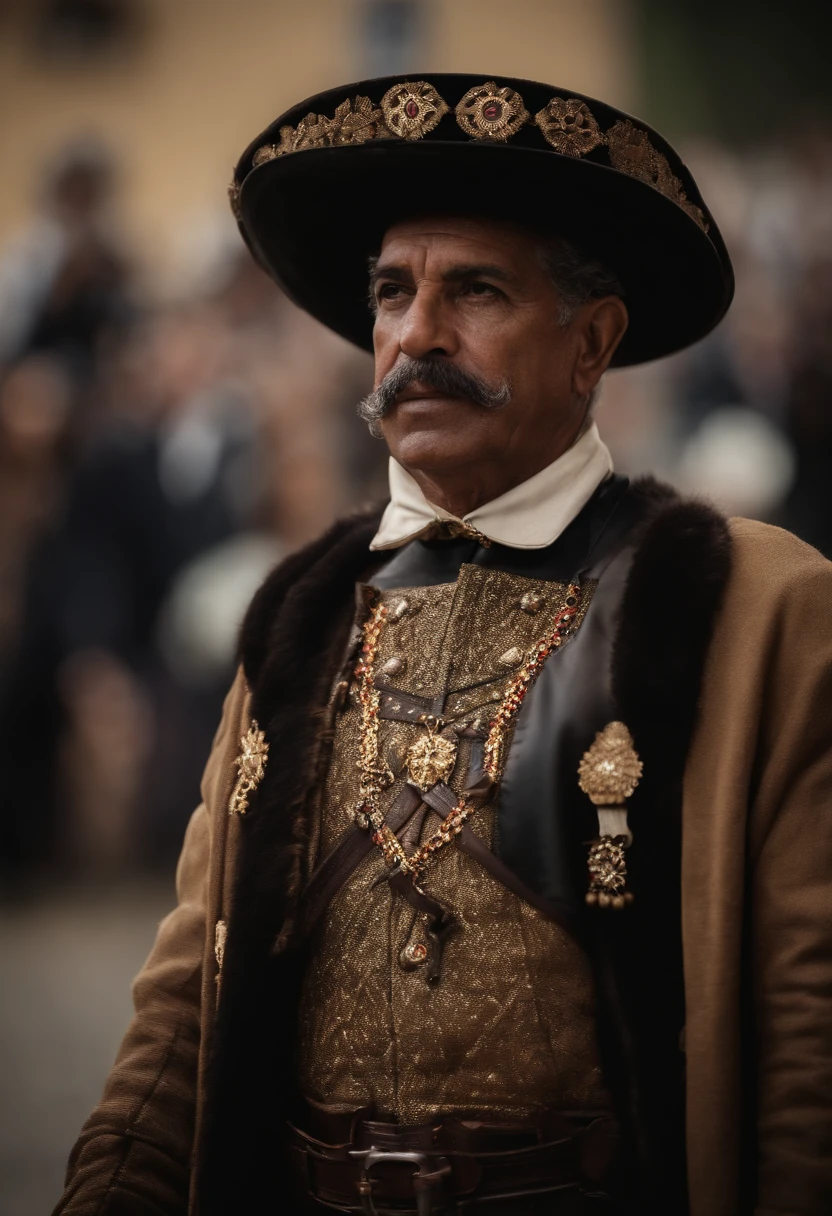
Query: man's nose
x=426 y=327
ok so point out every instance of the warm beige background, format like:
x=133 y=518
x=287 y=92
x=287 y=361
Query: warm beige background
x=208 y=74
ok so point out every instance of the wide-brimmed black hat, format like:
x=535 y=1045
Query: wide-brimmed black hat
x=316 y=191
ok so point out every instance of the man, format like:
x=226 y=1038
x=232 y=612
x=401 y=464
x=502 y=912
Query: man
x=516 y=897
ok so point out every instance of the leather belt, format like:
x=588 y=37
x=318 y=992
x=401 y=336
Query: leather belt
x=457 y=1166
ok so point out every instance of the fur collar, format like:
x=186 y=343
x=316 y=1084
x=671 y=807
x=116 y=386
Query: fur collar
x=292 y=647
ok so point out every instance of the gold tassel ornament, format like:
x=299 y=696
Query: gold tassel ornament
x=608 y=774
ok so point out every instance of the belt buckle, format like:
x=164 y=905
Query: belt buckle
x=424 y=1179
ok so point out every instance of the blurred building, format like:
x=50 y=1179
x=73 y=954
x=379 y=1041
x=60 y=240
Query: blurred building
x=177 y=89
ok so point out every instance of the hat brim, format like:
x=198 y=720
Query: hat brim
x=313 y=219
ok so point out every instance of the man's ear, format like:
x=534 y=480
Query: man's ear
x=601 y=325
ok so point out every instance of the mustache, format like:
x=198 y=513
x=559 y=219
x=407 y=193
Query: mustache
x=437 y=373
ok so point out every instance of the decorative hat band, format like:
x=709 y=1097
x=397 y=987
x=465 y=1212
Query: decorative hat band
x=413 y=109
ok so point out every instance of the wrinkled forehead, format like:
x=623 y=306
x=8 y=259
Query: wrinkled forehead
x=454 y=235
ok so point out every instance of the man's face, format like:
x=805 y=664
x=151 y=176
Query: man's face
x=473 y=293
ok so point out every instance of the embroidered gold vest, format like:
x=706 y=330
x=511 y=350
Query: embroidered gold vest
x=509 y=1030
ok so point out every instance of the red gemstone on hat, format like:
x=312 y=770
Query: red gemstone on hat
x=492 y=110
x=411 y=109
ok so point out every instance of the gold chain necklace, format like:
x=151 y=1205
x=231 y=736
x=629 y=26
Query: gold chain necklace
x=375 y=774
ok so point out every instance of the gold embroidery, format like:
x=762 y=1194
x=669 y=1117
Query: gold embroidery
x=569 y=126
x=271 y=151
x=354 y=122
x=234 y=200
x=220 y=935
x=487 y=112
x=313 y=131
x=631 y=152
x=251 y=763
x=412 y=109
x=510 y=1030
x=357 y=121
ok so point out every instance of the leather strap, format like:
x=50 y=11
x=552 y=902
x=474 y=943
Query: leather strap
x=475 y=847
x=465 y=1163
x=397 y=706
x=443 y=800
x=351 y=849
x=354 y=845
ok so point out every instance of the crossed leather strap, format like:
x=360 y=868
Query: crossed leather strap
x=355 y=844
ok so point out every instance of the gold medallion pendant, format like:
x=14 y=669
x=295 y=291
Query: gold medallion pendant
x=431 y=758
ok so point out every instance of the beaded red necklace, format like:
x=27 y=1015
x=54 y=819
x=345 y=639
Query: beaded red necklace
x=376 y=776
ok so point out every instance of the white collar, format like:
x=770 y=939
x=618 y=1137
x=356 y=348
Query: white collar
x=529 y=516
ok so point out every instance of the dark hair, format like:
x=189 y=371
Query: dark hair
x=576 y=277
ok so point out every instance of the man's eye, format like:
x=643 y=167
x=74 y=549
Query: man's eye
x=479 y=289
x=390 y=291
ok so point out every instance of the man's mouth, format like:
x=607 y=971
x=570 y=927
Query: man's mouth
x=422 y=392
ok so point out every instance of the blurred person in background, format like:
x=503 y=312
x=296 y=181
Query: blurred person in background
x=66 y=281
x=747 y=406
x=399 y=978
x=168 y=475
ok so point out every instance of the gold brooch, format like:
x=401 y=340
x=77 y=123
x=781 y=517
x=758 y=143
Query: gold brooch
x=251 y=763
x=431 y=758
x=632 y=152
x=487 y=112
x=568 y=125
x=608 y=774
x=412 y=109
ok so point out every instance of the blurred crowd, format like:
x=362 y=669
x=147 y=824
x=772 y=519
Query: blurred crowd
x=157 y=455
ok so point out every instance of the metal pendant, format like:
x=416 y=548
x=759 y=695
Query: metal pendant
x=431 y=758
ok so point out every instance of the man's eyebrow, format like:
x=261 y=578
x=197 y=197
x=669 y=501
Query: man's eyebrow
x=389 y=272
x=453 y=274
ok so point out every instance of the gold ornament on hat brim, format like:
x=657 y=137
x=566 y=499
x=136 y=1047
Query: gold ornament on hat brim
x=631 y=152
x=412 y=109
x=251 y=764
x=234 y=199
x=569 y=126
x=608 y=774
x=486 y=112
x=354 y=122
x=357 y=121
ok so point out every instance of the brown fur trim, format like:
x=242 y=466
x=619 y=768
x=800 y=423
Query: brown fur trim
x=673 y=593
x=290 y=643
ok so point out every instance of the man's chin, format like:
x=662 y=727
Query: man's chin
x=430 y=448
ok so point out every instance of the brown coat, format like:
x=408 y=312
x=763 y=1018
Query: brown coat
x=756 y=914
